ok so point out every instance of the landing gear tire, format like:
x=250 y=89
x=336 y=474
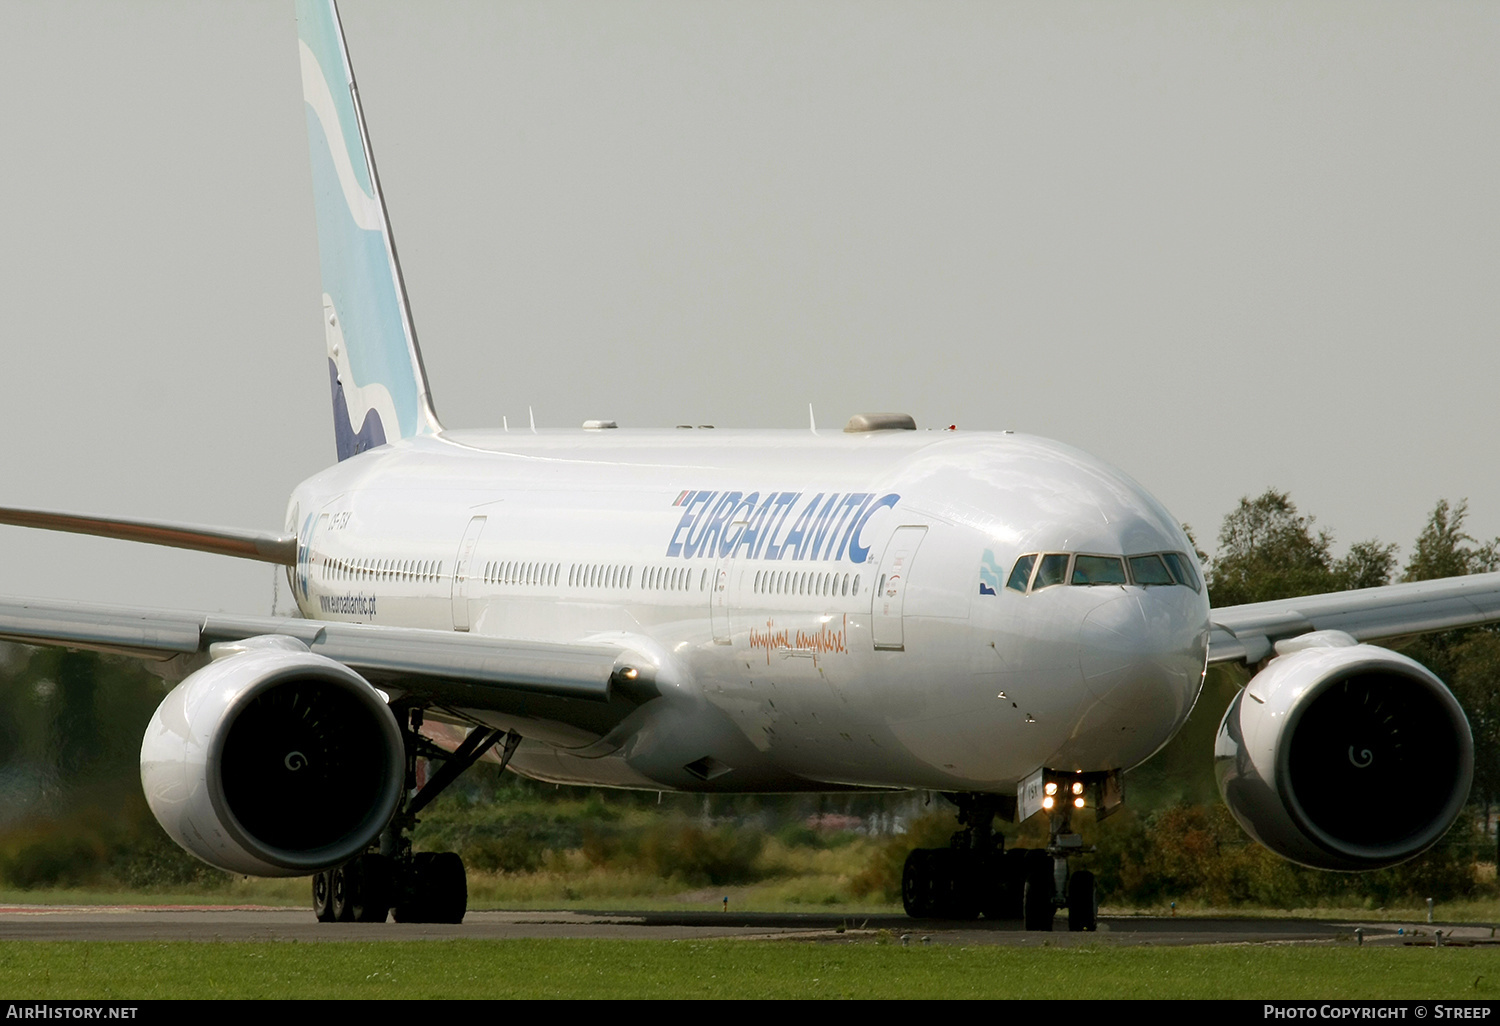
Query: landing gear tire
x=957 y=879
x=450 y=887
x=322 y=895
x=1083 y=903
x=916 y=884
x=438 y=891
x=1037 y=909
x=1010 y=885
x=940 y=883
x=344 y=888
x=991 y=886
x=371 y=900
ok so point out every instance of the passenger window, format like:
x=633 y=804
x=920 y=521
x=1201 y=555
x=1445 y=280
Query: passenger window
x=1149 y=571
x=1098 y=570
x=1053 y=570
x=1022 y=572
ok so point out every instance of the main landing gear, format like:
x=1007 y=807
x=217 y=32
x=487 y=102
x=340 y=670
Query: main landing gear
x=412 y=887
x=976 y=875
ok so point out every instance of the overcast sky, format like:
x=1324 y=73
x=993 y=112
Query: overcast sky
x=1222 y=246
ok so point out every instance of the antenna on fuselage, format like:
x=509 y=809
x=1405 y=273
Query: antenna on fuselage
x=812 y=422
x=532 y=414
x=504 y=423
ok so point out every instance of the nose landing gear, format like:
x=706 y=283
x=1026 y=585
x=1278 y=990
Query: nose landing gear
x=1049 y=885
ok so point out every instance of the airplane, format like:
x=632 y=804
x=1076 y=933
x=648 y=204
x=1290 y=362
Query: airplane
x=997 y=617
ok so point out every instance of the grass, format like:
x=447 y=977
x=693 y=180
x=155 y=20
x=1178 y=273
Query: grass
x=733 y=969
x=290 y=893
x=1485 y=911
x=589 y=888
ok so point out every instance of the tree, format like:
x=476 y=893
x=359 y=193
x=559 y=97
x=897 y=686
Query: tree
x=1444 y=550
x=1368 y=564
x=1267 y=550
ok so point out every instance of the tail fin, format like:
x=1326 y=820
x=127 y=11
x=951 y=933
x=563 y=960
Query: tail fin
x=379 y=385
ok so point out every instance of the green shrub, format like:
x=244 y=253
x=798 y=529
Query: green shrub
x=1199 y=854
x=48 y=860
x=799 y=835
x=678 y=850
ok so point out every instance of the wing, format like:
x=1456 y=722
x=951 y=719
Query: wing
x=588 y=686
x=1249 y=633
x=225 y=541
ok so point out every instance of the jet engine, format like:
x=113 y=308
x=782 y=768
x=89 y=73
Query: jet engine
x=1345 y=756
x=273 y=761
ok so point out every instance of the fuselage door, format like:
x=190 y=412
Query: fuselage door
x=890 y=588
x=461 y=573
x=719 y=598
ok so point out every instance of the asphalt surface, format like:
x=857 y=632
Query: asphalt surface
x=254 y=923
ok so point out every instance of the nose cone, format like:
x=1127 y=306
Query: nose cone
x=1141 y=655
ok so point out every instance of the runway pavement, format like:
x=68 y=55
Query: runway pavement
x=254 y=923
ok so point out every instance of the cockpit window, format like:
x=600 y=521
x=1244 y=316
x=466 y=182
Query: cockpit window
x=1022 y=573
x=1149 y=571
x=1098 y=570
x=1182 y=569
x=1053 y=570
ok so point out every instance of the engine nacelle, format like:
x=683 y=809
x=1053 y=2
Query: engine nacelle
x=1344 y=756
x=273 y=761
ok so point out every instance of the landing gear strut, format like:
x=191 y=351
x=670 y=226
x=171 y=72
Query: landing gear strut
x=420 y=887
x=976 y=875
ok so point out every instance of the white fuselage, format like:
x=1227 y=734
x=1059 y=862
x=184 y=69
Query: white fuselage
x=822 y=610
